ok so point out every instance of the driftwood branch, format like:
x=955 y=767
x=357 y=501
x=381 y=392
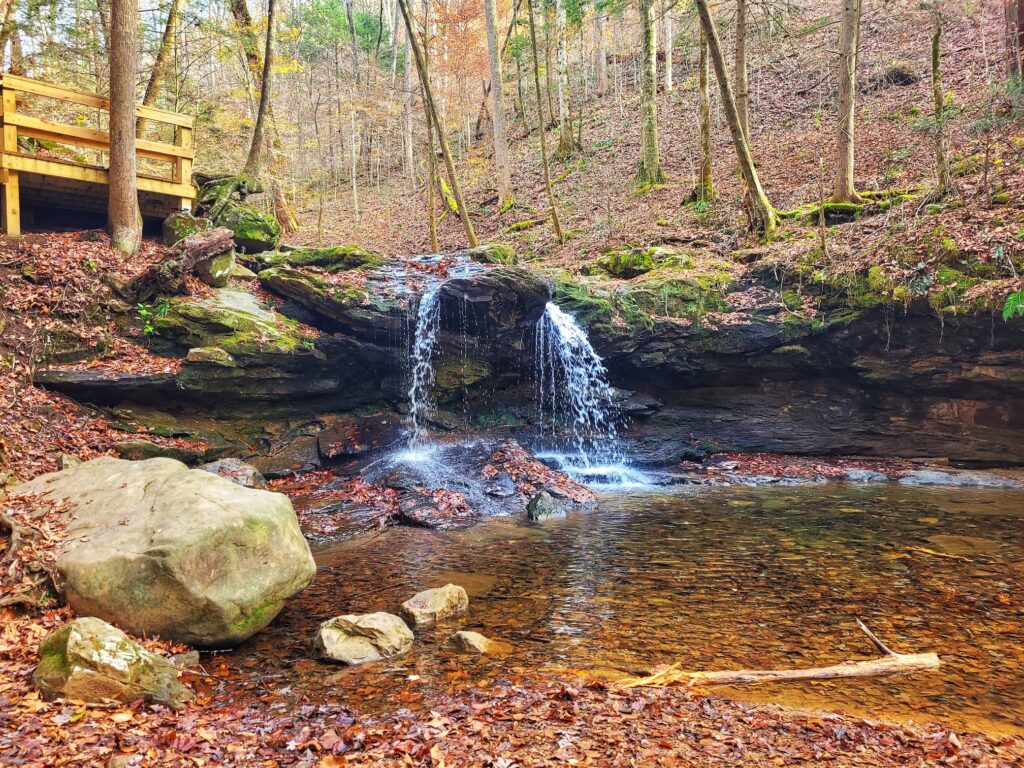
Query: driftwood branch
x=891 y=663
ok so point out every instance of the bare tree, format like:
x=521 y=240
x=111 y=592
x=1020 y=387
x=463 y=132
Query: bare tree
x=540 y=127
x=125 y=221
x=843 y=190
x=600 y=50
x=254 y=162
x=431 y=106
x=162 y=61
x=566 y=144
x=943 y=178
x=649 y=172
x=1013 y=11
x=742 y=89
x=666 y=23
x=705 y=187
x=502 y=165
x=762 y=215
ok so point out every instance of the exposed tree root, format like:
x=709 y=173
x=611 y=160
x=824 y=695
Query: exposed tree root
x=891 y=663
x=27 y=574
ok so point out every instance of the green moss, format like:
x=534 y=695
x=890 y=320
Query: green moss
x=627 y=262
x=254 y=230
x=599 y=307
x=337 y=258
x=494 y=253
x=183 y=224
x=950 y=286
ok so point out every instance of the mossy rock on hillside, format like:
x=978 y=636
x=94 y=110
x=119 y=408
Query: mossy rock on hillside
x=627 y=263
x=182 y=224
x=231 y=319
x=336 y=258
x=599 y=308
x=216 y=270
x=254 y=230
x=494 y=253
x=310 y=291
x=688 y=296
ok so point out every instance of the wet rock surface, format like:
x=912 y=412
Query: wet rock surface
x=433 y=605
x=357 y=639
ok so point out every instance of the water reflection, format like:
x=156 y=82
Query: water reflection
x=714 y=579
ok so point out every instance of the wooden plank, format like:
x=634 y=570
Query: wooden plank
x=39 y=88
x=91 y=138
x=92 y=174
x=12 y=205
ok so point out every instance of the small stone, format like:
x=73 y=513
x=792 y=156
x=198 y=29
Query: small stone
x=433 y=605
x=92 y=661
x=464 y=641
x=542 y=505
x=211 y=356
x=67 y=461
x=356 y=639
x=216 y=270
x=237 y=471
x=866 y=476
x=239 y=272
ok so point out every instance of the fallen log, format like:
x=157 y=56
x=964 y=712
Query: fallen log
x=167 y=276
x=891 y=663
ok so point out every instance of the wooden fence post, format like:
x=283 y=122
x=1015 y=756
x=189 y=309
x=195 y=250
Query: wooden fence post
x=9 y=178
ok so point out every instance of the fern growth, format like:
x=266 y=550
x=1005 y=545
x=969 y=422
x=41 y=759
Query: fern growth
x=1014 y=306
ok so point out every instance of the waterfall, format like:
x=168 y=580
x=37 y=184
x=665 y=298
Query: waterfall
x=573 y=390
x=428 y=323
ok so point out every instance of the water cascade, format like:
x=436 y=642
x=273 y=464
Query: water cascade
x=573 y=390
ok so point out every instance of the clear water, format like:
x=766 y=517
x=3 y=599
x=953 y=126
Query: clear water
x=713 y=579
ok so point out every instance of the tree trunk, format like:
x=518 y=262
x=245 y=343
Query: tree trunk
x=649 y=172
x=428 y=97
x=125 y=221
x=431 y=153
x=502 y=166
x=705 y=189
x=250 y=47
x=540 y=126
x=566 y=145
x=600 y=53
x=407 y=132
x=666 y=13
x=254 y=162
x=843 y=190
x=943 y=179
x=354 y=47
x=742 y=89
x=762 y=215
x=1014 y=15
x=162 y=61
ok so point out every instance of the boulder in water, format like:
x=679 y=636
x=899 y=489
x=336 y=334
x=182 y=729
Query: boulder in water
x=543 y=505
x=432 y=605
x=91 y=661
x=355 y=639
x=473 y=642
x=160 y=549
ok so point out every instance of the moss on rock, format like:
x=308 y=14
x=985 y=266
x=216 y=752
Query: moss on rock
x=336 y=258
x=182 y=224
x=254 y=230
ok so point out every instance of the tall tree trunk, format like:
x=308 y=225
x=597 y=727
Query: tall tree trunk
x=843 y=190
x=555 y=223
x=943 y=179
x=125 y=221
x=1013 y=11
x=163 y=59
x=649 y=172
x=502 y=165
x=354 y=160
x=446 y=154
x=432 y=184
x=407 y=97
x=762 y=215
x=250 y=46
x=666 y=14
x=600 y=52
x=254 y=162
x=705 y=189
x=566 y=145
x=742 y=89
x=354 y=43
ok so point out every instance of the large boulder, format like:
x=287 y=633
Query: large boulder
x=91 y=661
x=182 y=224
x=216 y=270
x=335 y=258
x=355 y=639
x=432 y=605
x=160 y=549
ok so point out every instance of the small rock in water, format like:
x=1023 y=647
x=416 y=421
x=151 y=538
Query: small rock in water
x=473 y=642
x=958 y=478
x=359 y=638
x=92 y=661
x=432 y=605
x=237 y=471
x=866 y=476
x=542 y=505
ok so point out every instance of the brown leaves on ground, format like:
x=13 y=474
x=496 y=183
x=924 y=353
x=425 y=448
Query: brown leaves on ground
x=790 y=466
x=34 y=528
x=531 y=475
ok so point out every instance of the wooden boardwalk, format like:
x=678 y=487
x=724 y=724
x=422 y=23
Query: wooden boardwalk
x=64 y=180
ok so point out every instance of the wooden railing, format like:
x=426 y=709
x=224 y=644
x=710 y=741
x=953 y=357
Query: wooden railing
x=14 y=162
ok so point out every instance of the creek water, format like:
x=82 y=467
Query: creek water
x=712 y=578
